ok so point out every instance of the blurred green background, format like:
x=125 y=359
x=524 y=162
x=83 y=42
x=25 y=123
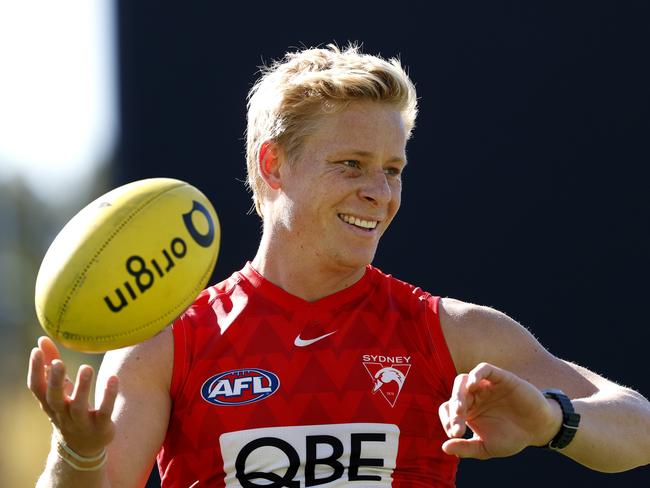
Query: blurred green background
x=58 y=138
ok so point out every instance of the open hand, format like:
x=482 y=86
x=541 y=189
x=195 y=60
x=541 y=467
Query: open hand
x=505 y=413
x=84 y=429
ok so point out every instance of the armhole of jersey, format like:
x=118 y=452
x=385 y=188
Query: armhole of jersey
x=440 y=348
x=181 y=356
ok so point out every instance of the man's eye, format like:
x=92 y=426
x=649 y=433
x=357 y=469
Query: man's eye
x=351 y=163
x=393 y=171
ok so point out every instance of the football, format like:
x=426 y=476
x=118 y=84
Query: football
x=127 y=265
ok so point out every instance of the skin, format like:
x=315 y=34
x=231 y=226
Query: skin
x=349 y=167
x=497 y=393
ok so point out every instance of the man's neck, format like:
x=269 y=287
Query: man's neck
x=302 y=275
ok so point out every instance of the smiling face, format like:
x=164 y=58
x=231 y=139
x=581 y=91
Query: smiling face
x=344 y=188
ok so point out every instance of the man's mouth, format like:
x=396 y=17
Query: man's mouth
x=358 y=222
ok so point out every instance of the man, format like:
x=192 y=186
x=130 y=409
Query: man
x=309 y=366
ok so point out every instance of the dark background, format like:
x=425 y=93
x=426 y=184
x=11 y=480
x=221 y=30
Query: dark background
x=526 y=188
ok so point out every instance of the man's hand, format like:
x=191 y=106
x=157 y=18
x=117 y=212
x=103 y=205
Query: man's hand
x=505 y=413
x=84 y=429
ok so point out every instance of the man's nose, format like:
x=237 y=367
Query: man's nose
x=375 y=188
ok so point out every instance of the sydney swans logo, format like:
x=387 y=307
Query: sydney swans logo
x=388 y=374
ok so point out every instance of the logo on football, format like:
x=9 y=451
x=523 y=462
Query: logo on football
x=127 y=265
x=240 y=386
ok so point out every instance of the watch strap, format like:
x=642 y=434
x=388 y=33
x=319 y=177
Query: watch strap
x=570 y=420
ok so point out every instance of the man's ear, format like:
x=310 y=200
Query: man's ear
x=269 y=164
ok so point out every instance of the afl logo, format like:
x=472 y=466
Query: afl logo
x=240 y=386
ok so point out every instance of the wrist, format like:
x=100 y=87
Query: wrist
x=552 y=425
x=569 y=420
x=75 y=460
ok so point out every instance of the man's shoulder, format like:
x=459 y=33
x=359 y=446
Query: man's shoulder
x=460 y=313
x=394 y=285
x=471 y=317
x=454 y=312
x=477 y=333
x=214 y=293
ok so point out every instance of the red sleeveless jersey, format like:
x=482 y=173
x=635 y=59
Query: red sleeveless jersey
x=269 y=390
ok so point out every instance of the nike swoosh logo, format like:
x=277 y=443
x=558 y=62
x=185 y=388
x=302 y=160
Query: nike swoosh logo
x=306 y=342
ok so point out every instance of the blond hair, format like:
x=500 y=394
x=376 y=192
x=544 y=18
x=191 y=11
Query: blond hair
x=286 y=101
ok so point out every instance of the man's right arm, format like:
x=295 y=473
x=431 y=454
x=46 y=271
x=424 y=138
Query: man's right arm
x=131 y=420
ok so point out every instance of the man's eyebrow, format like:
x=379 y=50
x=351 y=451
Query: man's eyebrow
x=366 y=154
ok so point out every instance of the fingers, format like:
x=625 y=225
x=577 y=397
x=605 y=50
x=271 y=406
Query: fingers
x=108 y=401
x=50 y=351
x=445 y=418
x=55 y=394
x=485 y=373
x=466 y=448
x=38 y=380
x=35 y=373
x=453 y=412
x=68 y=386
x=40 y=359
x=68 y=404
x=79 y=400
x=458 y=406
x=36 y=377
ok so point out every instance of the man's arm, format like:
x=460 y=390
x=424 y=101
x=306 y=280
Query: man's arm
x=130 y=423
x=497 y=393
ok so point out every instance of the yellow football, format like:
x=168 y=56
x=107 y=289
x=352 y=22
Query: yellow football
x=127 y=265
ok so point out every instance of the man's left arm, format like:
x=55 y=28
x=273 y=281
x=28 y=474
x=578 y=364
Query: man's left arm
x=498 y=394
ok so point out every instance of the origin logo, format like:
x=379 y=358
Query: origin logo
x=240 y=386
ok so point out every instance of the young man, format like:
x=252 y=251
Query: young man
x=309 y=366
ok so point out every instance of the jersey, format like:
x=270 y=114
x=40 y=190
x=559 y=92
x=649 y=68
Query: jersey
x=271 y=390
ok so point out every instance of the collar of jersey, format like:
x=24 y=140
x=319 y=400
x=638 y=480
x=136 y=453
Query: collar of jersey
x=286 y=299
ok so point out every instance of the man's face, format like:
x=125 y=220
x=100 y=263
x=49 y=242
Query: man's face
x=345 y=187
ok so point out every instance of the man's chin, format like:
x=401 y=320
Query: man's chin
x=357 y=260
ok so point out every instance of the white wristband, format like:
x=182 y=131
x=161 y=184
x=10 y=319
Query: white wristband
x=88 y=463
x=76 y=467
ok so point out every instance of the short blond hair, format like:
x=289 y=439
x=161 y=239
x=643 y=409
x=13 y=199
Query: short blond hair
x=291 y=94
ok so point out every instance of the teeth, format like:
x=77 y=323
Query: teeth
x=366 y=224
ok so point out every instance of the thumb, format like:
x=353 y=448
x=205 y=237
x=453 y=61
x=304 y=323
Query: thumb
x=466 y=448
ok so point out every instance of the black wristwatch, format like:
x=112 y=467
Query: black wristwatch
x=570 y=420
